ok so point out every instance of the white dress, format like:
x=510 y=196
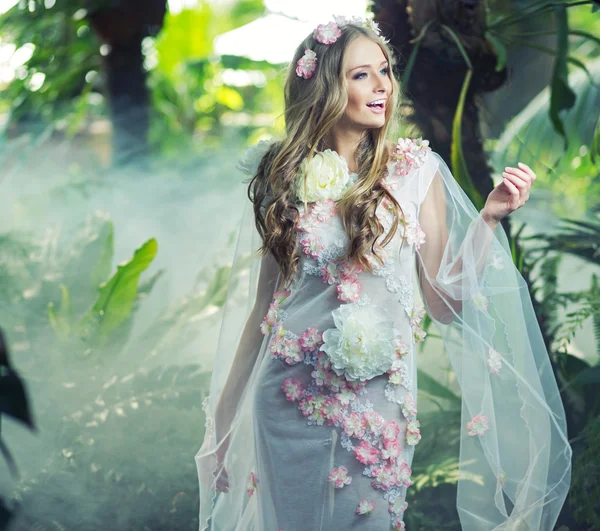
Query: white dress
x=326 y=425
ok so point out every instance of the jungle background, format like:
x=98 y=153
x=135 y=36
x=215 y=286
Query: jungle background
x=121 y=123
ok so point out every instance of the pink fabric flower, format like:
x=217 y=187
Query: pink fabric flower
x=399 y=525
x=310 y=340
x=402 y=474
x=410 y=154
x=348 y=290
x=384 y=478
x=327 y=33
x=355 y=425
x=413 y=433
x=311 y=245
x=390 y=431
x=333 y=410
x=365 y=507
x=329 y=273
x=409 y=406
x=292 y=389
x=401 y=347
x=419 y=335
x=324 y=210
x=321 y=376
x=415 y=235
x=280 y=296
x=307 y=64
x=337 y=383
x=349 y=271
x=398 y=506
x=345 y=396
x=391 y=450
x=307 y=222
x=252 y=484
x=494 y=361
x=374 y=421
x=339 y=477
x=366 y=453
x=478 y=425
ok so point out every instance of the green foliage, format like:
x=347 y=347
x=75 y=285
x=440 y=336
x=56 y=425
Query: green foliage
x=585 y=485
x=572 y=174
x=64 y=53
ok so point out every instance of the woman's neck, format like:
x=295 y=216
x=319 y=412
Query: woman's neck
x=345 y=144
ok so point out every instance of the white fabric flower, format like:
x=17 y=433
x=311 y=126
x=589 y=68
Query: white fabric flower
x=362 y=344
x=327 y=177
x=249 y=161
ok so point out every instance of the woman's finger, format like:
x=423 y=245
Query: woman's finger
x=517 y=181
x=514 y=191
x=519 y=173
x=524 y=166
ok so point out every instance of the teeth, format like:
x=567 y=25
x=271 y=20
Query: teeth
x=377 y=102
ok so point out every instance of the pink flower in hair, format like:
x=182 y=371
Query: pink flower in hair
x=307 y=64
x=327 y=33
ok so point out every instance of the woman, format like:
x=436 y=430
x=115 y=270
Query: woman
x=313 y=425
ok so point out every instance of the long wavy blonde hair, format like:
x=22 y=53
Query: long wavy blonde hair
x=312 y=107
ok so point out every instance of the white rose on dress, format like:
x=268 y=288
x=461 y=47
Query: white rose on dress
x=327 y=177
x=362 y=344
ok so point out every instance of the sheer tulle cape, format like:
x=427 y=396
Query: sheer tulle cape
x=515 y=459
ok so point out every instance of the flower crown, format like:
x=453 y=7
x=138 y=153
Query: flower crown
x=328 y=34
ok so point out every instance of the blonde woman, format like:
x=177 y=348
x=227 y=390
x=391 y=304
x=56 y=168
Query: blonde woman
x=312 y=420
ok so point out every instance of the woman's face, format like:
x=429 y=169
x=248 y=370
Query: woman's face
x=368 y=79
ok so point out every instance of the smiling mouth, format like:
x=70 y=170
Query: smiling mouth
x=376 y=105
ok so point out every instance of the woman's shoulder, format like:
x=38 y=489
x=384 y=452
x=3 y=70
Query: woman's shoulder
x=251 y=158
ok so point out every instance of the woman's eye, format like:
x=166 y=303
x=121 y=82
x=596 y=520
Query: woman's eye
x=383 y=70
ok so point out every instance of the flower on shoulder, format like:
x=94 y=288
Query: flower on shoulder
x=326 y=176
x=410 y=154
x=365 y=507
x=339 y=477
x=478 y=425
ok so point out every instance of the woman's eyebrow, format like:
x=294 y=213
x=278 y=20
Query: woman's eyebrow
x=365 y=66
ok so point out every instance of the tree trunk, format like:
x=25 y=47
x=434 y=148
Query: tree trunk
x=437 y=77
x=123 y=25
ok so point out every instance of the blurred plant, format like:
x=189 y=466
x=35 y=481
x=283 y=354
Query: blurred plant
x=572 y=175
x=15 y=404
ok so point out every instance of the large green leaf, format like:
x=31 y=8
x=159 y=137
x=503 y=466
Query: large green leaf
x=116 y=297
x=531 y=138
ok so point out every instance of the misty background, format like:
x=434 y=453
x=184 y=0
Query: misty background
x=121 y=123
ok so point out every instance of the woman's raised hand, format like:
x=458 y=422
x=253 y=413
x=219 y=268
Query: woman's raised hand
x=510 y=194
